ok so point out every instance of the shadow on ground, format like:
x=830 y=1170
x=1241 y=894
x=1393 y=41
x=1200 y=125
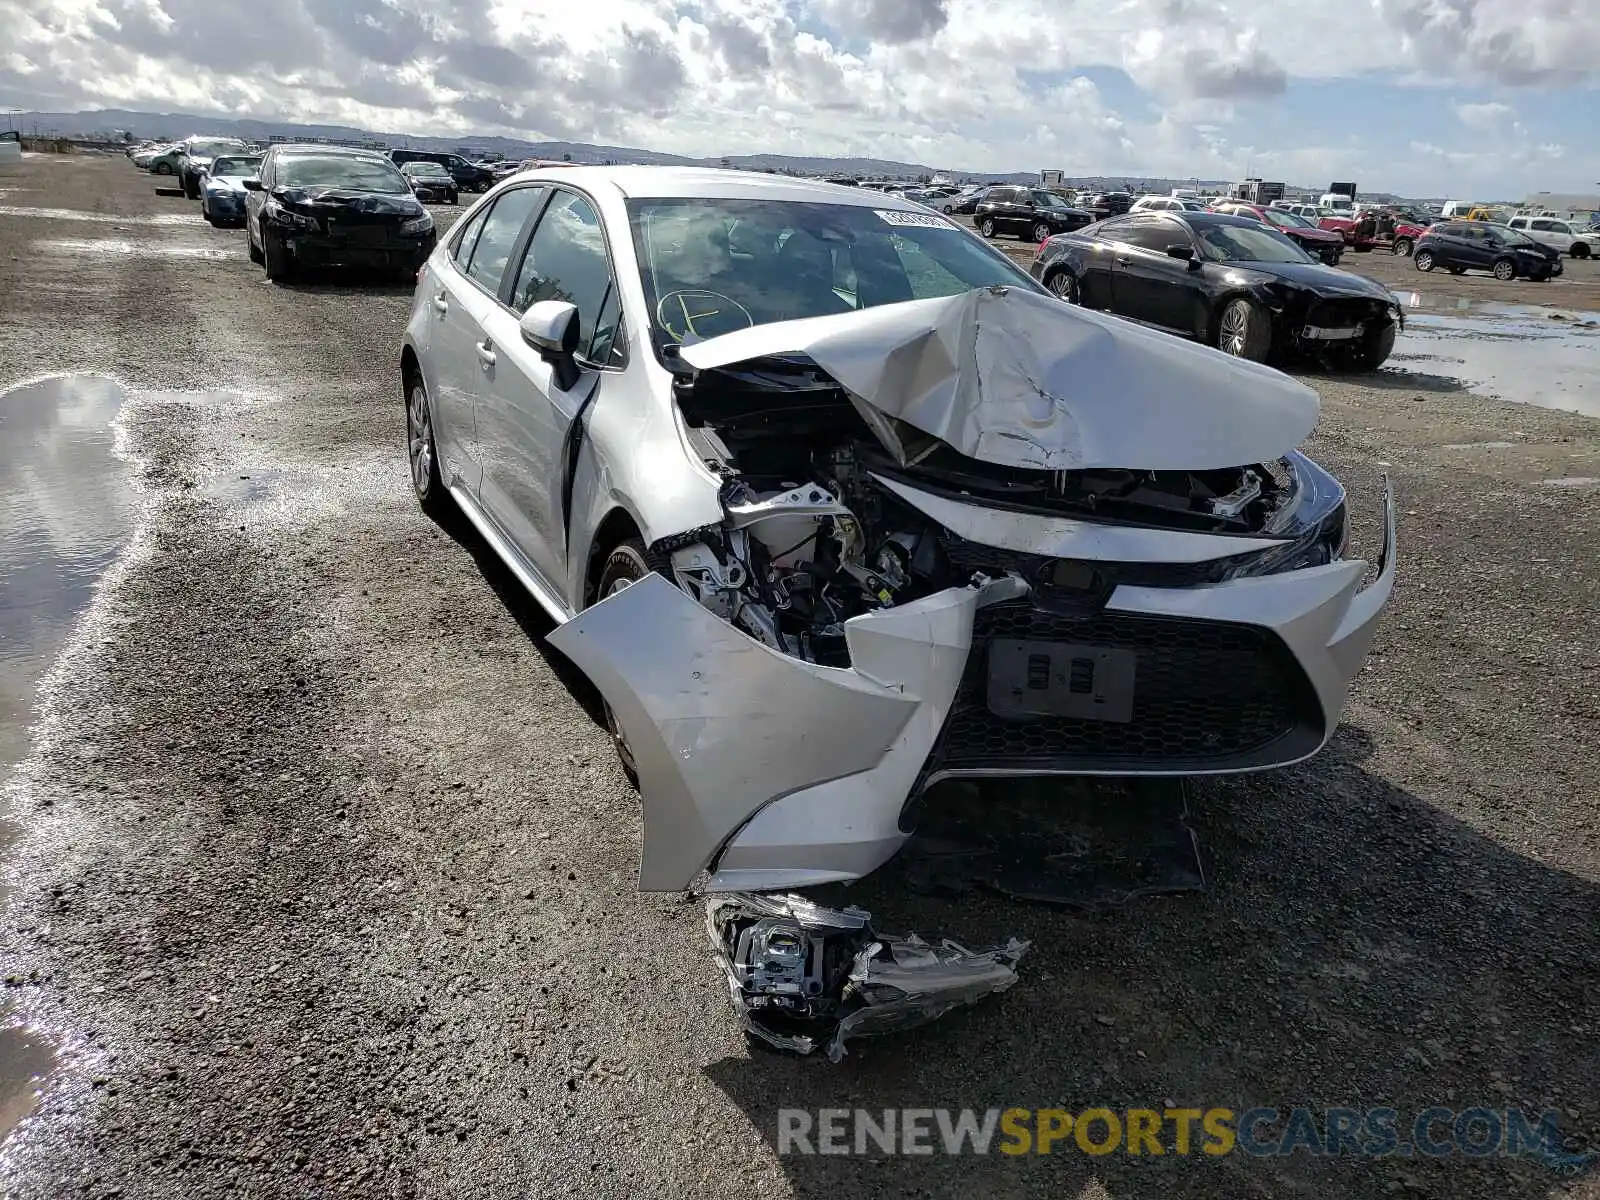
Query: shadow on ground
x=1358 y=949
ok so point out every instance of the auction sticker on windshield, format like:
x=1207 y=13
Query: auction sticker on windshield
x=920 y=220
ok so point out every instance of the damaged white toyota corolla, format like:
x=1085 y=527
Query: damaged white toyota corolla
x=832 y=502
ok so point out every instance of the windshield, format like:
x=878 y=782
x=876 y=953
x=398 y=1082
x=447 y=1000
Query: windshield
x=424 y=168
x=1511 y=237
x=340 y=170
x=1242 y=243
x=1288 y=220
x=207 y=147
x=235 y=166
x=711 y=266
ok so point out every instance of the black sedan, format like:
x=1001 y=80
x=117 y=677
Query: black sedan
x=1227 y=281
x=1027 y=212
x=431 y=183
x=326 y=205
x=1461 y=246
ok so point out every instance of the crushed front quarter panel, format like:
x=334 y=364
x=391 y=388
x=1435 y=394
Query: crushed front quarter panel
x=720 y=725
x=1018 y=378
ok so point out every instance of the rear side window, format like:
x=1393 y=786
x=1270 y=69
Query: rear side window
x=1154 y=234
x=466 y=237
x=499 y=234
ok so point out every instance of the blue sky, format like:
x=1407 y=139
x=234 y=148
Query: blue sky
x=1459 y=98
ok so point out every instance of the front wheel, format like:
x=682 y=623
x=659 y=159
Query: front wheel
x=624 y=565
x=1402 y=247
x=280 y=265
x=250 y=244
x=1040 y=232
x=1505 y=270
x=1244 y=330
x=161 y=169
x=1372 y=350
x=1580 y=250
x=986 y=227
x=949 y=209
x=1424 y=260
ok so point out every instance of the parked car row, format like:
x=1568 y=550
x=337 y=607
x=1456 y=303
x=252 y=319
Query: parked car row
x=312 y=204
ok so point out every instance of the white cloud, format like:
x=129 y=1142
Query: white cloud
x=982 y=84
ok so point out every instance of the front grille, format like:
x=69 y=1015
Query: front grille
x=1207 y=696
x=1343 y=313
x=1037 y=569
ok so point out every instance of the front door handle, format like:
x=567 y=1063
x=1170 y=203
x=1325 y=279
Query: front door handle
x=1123 y=260
x=440 y=304
x=485 y=351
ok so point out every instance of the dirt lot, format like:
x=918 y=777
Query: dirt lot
x=327 y=882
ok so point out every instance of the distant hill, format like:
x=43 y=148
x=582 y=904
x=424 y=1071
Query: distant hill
x=106 y=121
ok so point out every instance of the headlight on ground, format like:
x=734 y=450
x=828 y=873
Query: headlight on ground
x=418 y=224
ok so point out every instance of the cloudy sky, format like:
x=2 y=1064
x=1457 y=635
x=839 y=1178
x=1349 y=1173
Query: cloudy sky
x=1425 y=97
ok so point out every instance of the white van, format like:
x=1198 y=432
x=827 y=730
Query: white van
x=1338 y=202
x=1458 y=209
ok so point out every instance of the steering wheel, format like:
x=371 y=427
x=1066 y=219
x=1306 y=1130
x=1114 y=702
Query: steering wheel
x=697 y=312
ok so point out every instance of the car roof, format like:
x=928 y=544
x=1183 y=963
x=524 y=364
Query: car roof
x=317 y=148
x=713 y=183
x=1209 y=218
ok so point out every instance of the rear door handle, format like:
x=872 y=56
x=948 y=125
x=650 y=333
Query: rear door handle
x=440 y=304
x=485 y=351
x=1123 y=261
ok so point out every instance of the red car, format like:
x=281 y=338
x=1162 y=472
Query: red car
x=1319 y=243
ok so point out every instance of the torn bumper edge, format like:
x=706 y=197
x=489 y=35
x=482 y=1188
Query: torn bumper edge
x=798 y=773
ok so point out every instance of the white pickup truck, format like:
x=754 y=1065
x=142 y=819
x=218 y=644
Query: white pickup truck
x=1566 y=236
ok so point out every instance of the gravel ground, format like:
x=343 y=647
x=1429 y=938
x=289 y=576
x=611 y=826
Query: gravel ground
x=327 y=885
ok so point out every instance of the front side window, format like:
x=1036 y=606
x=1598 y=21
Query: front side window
x=566 y=260
x=1246 y=243
x=499 y=235
x=1154 y=234
x=710 y=266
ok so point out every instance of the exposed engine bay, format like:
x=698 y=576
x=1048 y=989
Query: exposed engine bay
x=815 y=533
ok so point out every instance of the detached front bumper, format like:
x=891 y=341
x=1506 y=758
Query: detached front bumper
x=777 y=773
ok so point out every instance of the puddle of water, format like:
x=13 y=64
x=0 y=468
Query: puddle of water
x=67 y=505
x=1511 y=351
x=119 y=246
x=73 y=214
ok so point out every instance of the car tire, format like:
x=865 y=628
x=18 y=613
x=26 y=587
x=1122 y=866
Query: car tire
x=1579 y=250
x=250 y=244
x=276 y=256
x=454 y=197
x=1424 y=260
x=1456 y=270
x=422 y=452
x=1505 y=270
x=1402 y=247
x=161 y=169
x=986 y=227
x=1063 y=285
x=1244 y=329
x=624 y=565
x=949 y=209
x=1373 y=350
x=1040 y=232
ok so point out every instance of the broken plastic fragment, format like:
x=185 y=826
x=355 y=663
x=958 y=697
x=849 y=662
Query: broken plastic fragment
x=801 y=976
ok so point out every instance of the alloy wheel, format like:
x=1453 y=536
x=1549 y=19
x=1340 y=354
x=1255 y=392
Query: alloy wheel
x=1504 y=270
x=1424 y=261
x=1235 y=329
x=419 y=436
x=1065 y=286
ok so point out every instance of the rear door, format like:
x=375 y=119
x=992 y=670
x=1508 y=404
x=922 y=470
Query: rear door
x=461 y=299
x=527 y=415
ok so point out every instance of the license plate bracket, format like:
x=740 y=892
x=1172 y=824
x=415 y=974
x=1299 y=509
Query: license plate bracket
x=1060 y=679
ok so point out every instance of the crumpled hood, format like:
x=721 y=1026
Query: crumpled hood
x=328 y=197
x=1018 y=378
x=226 y=183
x=1325 y=281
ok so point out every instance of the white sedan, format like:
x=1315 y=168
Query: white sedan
x=831 y=502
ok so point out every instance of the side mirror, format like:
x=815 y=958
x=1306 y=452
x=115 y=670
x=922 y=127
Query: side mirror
x=551 y=328
x=1186 y=253
x=252 y=184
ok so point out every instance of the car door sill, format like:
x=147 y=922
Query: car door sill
x=1158 y=327
x=527 y=575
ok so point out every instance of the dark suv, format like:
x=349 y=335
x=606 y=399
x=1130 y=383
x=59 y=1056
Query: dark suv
x=1027 y=212
x=1460 y=246
x=469 y=177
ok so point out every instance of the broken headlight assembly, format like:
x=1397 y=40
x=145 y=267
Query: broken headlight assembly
x=1313 y=520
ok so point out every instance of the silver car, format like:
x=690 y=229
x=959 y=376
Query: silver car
x=832 y=502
